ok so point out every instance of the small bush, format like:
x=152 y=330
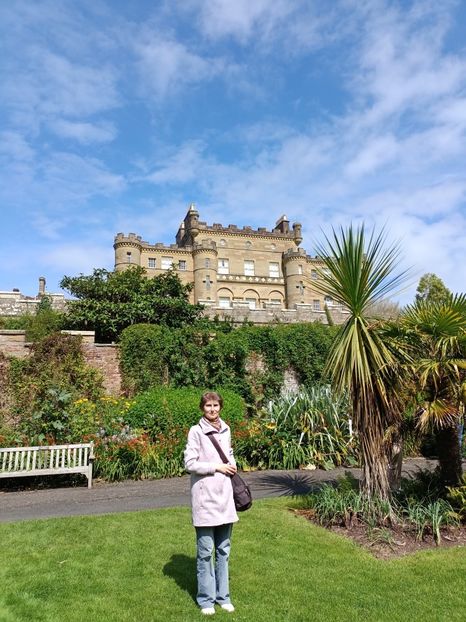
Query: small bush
x=162 y=408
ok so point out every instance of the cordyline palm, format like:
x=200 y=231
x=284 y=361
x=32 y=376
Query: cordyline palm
x=436 y=334
x=359 y=272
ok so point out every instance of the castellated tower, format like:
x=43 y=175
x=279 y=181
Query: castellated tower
x=294 y=269
x=205 y=271
x=127 y=250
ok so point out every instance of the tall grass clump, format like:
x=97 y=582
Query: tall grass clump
x=309 y=428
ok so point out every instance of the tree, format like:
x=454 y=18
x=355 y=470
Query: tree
x=435 y=331
x=358 y=273
x=431 y=288
x=108 y=302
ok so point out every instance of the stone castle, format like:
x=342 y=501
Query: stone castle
x=242 y=273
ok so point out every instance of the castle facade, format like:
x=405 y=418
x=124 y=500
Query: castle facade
x=234 y=268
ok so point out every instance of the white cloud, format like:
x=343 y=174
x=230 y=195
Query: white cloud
x=15 y=147
x=167 y=66
x=181 y=167
x=293 y=26
x=84 y=133
x=402 y=64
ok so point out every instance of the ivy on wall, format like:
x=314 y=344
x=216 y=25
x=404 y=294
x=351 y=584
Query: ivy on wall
x=251 y=360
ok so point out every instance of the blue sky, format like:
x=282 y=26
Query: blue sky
x=116 y=115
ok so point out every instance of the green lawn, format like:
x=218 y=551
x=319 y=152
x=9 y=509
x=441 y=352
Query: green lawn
x=140 y=567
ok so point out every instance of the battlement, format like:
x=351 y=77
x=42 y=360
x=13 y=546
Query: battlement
x=299 y=253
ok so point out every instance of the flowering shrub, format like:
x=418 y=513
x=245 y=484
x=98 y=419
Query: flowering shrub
x=127 y=456
x=106 y=416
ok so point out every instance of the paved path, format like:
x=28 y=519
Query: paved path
x=128 y=496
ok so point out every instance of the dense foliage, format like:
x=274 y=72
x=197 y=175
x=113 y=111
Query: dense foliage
x=43 y=386
x=250 y=360
x=431 y=288
x=108 y=302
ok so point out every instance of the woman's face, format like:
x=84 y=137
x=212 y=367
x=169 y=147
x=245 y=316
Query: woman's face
x=211 y=410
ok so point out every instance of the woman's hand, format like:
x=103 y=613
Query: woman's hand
x=226 y=469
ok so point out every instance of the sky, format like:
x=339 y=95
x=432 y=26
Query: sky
x=116 y=115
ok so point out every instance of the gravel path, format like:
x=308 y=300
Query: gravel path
x=130 y=496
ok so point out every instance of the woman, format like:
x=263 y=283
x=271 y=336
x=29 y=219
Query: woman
x=213 y=508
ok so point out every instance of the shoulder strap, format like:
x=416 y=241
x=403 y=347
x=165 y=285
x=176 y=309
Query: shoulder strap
x=217 y=447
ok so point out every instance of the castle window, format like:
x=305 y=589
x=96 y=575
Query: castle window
x=182 y=264
x=329 y=301
x=128 y=256
x=251 y=302
x=274 y=269
x=316 y=305
x=222 y=243
x=314 y=275
x=167 y=263
x=207 y=262
x=224 y=302
x=300 y=269
x=249 y=267
x=276 y=301
x=248 y=245
x=207 y=281
x=151 y=262
x=223 y=266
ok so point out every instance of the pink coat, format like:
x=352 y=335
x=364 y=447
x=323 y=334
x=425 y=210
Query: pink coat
x=211 y=491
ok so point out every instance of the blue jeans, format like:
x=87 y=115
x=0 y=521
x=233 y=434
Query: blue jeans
x=212 y=576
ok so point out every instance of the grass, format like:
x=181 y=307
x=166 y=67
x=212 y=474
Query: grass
x=140 y=567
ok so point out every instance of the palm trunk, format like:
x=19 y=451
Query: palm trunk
x=395 y=463
x=374 y=461
x=449 y=455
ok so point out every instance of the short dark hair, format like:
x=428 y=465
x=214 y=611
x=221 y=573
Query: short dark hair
x=209 y=396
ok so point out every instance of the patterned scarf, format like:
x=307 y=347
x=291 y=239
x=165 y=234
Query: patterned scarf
x=217 y=424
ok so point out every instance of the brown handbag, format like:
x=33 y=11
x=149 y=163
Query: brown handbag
x=241 y=492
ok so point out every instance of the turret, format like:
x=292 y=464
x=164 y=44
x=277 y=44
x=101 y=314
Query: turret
x=294 y=262
x=127 y=250
x=298 y=235
x=205 y=271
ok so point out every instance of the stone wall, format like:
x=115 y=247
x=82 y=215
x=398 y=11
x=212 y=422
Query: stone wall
x=302 y=314
x=15 y=303
x=105 y=358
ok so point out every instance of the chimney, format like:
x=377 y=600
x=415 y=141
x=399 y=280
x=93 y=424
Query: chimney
x=41 y=285
x=283 y=224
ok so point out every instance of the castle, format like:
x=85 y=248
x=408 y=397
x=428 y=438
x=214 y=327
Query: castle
x=242 y=273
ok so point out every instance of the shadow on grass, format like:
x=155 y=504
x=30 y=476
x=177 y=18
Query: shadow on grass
x=182 y=569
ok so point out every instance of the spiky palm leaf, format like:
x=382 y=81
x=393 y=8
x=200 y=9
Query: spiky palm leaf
x=437 y=331
x=436 y=334
x=358 y=272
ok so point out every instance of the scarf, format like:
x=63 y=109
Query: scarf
x=217 y=424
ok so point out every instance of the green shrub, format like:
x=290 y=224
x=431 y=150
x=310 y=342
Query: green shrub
x=298 y=429
x=44 y=386
x=346 y=505
x=139 y=457
x=457 y=497
x=17 y=322
x=164 y=408
x=203 y=354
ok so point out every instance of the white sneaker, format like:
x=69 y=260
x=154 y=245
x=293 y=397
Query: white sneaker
x=228 y=607
x=208 y=611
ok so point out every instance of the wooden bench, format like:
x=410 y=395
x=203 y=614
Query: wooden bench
x=47 y=460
